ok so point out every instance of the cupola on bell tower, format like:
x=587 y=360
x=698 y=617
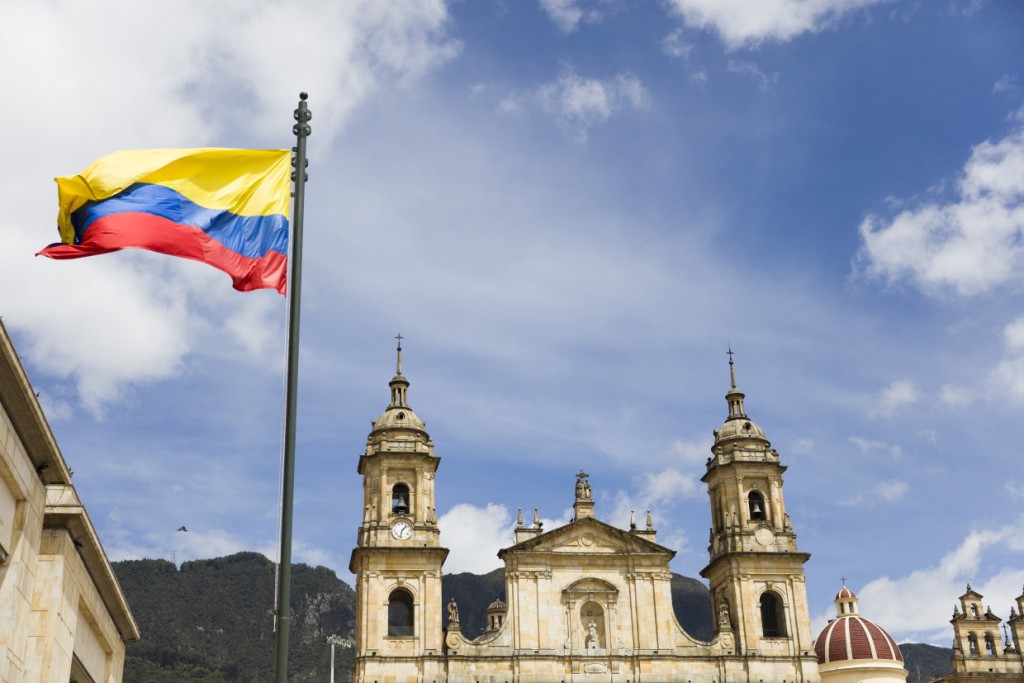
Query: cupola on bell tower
x=398 y=557
x=755 y=569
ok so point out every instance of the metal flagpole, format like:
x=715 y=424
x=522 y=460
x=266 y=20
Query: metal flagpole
x=284 y=573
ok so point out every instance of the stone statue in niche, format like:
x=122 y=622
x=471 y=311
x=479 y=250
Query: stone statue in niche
x=724 y=621
x=592 y=636
x=453 y=613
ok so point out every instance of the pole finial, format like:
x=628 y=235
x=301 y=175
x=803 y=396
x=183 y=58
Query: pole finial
x=732 y=373
x=398 y=367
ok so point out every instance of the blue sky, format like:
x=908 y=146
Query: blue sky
x=569 y=210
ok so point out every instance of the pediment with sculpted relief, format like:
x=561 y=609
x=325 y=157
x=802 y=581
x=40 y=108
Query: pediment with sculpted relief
x=588 y=535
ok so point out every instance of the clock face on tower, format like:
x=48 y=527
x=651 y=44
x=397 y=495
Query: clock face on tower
x=401 y=530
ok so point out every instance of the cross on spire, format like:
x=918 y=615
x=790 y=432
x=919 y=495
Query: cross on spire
x=732 y=374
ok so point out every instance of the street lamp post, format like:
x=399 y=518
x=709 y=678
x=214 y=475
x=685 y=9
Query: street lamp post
x=333 y=640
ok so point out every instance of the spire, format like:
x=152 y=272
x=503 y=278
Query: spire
x=734 y=397
x=397 y=370
x=399 y=384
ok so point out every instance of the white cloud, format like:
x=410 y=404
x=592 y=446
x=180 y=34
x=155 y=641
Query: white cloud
x=967 y=246
x=746 y=23
x=897 y=394
x=1014 y=489
x=474 y=535
x=579 y=104
x=883 y=492
x=126 y=319
x=883 y=600
x=764 y=81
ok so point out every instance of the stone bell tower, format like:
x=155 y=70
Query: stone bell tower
x=398 y=557
x=755 y=569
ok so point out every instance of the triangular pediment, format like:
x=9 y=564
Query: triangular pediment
x=588 y=535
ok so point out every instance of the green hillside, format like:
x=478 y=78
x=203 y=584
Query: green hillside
x=212 y=620
x=926 y=662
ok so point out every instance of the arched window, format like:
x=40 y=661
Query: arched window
x=990 y=644
x=400 y=499
x=974 y=610
x=972 y=644
x=592 y=620
x=755 y=503
x=400 y=613
x=773 y=621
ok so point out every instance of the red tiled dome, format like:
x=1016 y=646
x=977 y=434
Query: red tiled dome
x=854 y=637
x=845 y=593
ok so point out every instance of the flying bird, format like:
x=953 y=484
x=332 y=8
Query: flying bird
x=181 y=528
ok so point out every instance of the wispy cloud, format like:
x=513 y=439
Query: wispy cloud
x=1007 y=83
x=569 y=14
x=675 y=46
x=955 y=396
x=579 y=104
x=1007 y=377
x=883 y=492
x=868 y=446
x=764 y=81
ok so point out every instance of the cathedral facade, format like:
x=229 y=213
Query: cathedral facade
x=585 y=601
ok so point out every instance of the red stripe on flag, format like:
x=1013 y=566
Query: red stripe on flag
x=154 y=233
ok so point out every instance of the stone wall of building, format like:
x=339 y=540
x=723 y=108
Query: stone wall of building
x=65 y=617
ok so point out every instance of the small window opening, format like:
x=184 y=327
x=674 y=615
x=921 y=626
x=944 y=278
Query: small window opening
x=972 y=643
x=400 y=613
x=772 y=616
x=990 y=645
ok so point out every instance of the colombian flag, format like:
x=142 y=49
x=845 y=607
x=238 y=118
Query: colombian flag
x=225 y=207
